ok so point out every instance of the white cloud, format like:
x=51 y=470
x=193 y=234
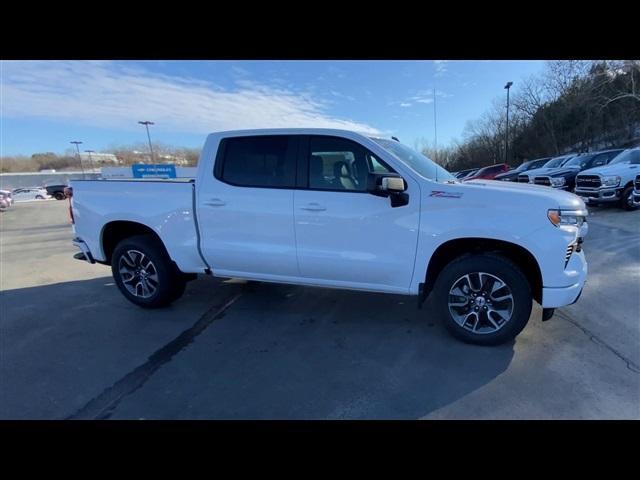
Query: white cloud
x=115 y=95
x=441 y=67
x=405 y=104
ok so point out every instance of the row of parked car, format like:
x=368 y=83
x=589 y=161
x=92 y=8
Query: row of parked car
x=598 y=177
x=8 y=197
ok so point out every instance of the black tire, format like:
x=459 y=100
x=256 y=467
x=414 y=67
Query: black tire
x=59 y=196
x=494 y=265
x=179 y=286
x=170 y=283
x=39 y=197
x=626 y=199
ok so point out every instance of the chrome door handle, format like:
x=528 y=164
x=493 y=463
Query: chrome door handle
x=215 y=202
x=314 y=207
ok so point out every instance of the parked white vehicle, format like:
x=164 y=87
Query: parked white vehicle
x=612 y=182
x=26 y=194
x=334 y=208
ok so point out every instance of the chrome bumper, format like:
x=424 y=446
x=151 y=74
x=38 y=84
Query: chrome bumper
x=607 y=194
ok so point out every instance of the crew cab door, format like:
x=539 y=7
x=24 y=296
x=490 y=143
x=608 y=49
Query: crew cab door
x=245 y=209
x=346 y=236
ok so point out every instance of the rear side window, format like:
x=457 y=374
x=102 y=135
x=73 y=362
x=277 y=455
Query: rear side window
x=261 y=161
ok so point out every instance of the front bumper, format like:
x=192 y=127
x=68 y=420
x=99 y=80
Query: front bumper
x=605 y=194
x=575 y=273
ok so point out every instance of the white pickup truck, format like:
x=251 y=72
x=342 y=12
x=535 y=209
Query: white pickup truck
x=334 y=208
x=611 y=183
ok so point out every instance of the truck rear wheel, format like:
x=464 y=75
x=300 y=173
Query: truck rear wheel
x=144 y=272
x=483 y=299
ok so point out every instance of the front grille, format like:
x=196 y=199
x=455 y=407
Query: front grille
x=588 y=181
x=637 y=182
x=523 y=178
x=568 y=254
x=542 y=181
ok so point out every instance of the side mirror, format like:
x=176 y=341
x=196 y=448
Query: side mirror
x=393 y=184
x=389 y=185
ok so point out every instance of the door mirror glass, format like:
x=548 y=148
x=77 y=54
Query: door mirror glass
x=393 y=184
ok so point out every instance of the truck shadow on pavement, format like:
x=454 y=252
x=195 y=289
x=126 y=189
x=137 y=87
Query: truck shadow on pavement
x=279 y=352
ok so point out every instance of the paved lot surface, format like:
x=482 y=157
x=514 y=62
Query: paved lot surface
x=72 y=347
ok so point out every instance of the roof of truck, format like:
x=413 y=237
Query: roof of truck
x=297 y=130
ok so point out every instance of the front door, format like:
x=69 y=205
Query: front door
x=344 y=234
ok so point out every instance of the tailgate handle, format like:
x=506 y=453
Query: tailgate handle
x=215 y=202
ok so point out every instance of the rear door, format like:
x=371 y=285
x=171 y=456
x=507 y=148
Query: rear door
x=345 y=235
x=246 y=208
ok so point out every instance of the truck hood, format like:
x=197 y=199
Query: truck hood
x=562 y=172
x=537 y=171
x=554 y=197
x=509 y=174
x=615 y=169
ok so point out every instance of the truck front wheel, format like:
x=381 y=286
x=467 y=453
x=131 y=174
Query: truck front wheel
x=626 y=199
x=144 y=273
x=483 y=299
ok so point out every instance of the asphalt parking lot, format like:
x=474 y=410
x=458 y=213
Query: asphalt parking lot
x=71 y=346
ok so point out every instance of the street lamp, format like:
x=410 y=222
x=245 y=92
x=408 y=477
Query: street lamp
x=76 y=143
x=506 y=135
x=146 y=123
x=90 y=159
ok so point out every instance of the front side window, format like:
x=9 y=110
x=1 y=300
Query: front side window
x=601 y=159
x=340 y=164
x=261 y=161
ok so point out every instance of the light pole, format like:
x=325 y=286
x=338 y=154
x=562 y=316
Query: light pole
x=76 y=143
x=146 y=123
x=506 y=135
x=91 y=159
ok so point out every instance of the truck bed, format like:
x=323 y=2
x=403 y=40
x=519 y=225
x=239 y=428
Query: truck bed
x=165 y=206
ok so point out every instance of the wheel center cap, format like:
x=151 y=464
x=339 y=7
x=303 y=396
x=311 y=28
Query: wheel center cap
x=480 y=301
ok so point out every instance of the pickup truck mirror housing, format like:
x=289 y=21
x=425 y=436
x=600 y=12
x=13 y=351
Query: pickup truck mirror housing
x=389 y=185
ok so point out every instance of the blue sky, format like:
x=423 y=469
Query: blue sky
x=45 y=104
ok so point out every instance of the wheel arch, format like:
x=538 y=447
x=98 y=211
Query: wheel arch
x=452 y=249
x=116 y=231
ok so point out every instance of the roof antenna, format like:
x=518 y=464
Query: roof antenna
x=395 y=138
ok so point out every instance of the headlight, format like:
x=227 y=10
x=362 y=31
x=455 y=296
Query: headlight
x=572 y=218
x=611 y=181
x=557 y=182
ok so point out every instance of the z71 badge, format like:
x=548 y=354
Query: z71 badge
x=438 y=193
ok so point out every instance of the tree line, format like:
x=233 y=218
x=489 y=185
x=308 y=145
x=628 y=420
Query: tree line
x=126 y=155
x=572 y=106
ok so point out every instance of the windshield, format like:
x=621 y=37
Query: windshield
x=416 y=161
x=579 y=161
x=628 y=156
x=556 y=162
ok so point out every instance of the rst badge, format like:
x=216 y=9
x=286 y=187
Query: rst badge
x=439 y=193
